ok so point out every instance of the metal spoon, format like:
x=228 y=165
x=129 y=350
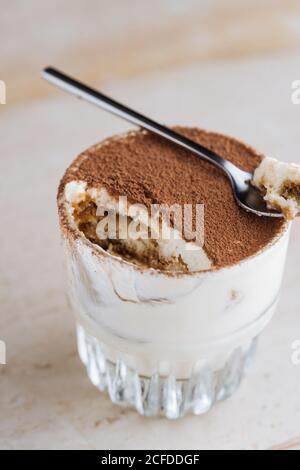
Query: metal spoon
x=246 y=195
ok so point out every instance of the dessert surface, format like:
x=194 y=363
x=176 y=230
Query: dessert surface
x=148 y=170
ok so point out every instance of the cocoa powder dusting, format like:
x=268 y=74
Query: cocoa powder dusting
x=149 y=170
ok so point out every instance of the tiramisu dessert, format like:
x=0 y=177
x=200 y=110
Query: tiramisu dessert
x=167 y=274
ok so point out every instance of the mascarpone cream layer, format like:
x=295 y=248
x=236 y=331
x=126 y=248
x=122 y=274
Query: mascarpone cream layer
x=281 y=184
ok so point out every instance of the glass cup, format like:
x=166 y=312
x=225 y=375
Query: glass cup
x=168 y=343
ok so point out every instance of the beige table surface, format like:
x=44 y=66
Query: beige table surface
x=46 y=400
x=101 y=40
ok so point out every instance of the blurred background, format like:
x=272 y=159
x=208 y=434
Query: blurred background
x=102 y=40
x=225 y=65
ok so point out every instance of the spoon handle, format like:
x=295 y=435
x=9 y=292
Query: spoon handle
x=93 y=96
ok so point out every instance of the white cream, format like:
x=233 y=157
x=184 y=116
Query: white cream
x=75 y=191
x=272 y=176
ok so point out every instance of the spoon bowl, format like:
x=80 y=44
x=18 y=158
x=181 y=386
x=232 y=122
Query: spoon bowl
x=250 y=199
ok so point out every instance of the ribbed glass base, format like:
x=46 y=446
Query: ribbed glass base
x=157 y=395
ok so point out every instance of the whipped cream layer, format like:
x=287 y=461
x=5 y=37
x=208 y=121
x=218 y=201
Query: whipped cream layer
x=163 y=248
x=281 y=184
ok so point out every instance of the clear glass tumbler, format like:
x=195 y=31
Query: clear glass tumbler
x=167 y=343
